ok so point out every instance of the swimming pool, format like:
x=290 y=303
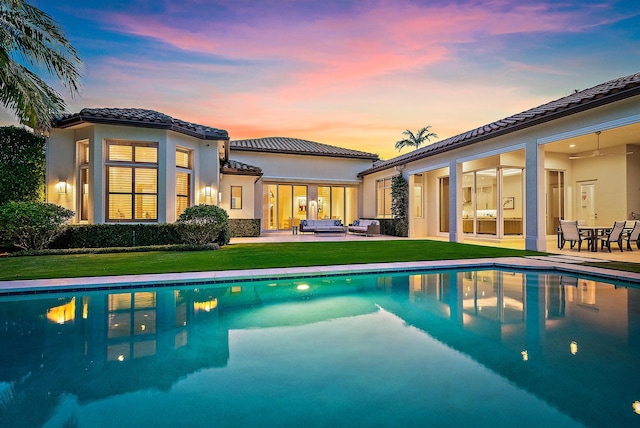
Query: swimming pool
x=445 y=348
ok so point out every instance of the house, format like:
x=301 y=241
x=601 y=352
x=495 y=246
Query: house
x=136 y=165
x=577 y=157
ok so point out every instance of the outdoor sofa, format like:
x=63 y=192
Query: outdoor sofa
x=322 y=226
x=365 y=227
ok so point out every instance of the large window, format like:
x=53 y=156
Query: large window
x=183 y=180
x=383 y=198
x=132 y=181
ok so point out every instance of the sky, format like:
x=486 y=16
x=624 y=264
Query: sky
x=354 y=74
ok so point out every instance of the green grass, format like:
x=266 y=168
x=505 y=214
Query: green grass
x=244 y=256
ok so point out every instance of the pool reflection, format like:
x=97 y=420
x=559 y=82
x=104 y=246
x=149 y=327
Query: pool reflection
x=547 y=333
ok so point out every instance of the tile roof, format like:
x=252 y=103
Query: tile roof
x=140 y=118
x=239 y=168
x=296 y=146
x=602 y=94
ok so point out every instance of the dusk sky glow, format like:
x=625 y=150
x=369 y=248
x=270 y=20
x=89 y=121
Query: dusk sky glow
x=348 y=73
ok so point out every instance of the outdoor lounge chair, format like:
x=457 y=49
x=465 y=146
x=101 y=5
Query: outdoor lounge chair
x=634 y=236
x=614 y=235
x=569 y=232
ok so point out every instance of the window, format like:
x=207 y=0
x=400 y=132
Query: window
x=83 y=161
x=383 y=198
x=132 y=181
x=183 y=180
x=236 y=197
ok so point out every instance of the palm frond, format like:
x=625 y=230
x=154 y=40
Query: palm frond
x=32 y=35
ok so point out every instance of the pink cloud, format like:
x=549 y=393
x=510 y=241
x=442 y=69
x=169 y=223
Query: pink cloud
x=346 y=49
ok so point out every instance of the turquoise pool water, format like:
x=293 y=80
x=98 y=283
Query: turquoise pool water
x=447 y=349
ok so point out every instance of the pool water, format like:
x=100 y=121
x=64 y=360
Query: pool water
x=447 y=349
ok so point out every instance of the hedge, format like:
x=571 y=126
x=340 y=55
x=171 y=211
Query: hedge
x=122 y=235
x=244 y=227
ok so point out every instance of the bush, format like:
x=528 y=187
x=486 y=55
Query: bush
x=110 y=235
x=32 y=225
x=22 y=162
x=204 y=224
x=244 y=227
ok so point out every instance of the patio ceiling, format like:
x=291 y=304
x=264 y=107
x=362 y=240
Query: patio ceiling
x=616 y=137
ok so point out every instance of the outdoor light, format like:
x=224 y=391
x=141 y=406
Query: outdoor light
x=207 y=191
x=573 y=348
x=61 y=187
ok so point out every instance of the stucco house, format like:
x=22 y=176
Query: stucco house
x=136 y=165
x=577 y=157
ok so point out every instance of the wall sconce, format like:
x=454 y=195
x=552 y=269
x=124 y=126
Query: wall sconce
x=219 y=197
x=208 y=191
x=61 y=187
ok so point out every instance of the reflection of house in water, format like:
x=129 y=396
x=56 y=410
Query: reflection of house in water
x=95 y=345
x=545 y=333
x=542 y=332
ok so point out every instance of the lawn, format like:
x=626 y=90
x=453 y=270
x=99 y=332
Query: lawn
x=244 y=256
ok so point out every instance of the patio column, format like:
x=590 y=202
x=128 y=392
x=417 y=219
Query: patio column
x=455 y=196
x=535 y=237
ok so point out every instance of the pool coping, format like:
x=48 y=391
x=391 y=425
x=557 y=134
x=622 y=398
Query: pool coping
x=38 y=286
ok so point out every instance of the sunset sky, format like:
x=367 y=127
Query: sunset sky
x=347 y=73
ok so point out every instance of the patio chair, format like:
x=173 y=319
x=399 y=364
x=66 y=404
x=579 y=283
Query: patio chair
x=634 y=236
x=613 y=235
x=569 y=232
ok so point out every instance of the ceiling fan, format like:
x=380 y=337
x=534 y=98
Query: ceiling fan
x=597 y=151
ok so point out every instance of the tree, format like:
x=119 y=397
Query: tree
x=415 y=140
x=30 y=36
x=22 y=165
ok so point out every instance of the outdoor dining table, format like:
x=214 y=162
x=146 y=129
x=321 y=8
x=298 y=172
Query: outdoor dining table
x=594 y=232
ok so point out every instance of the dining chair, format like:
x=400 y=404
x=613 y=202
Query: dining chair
x=613 y=235
x=569 y=232
x=634 y=236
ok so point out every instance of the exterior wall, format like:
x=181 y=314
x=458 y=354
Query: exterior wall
x=310 y=169
x=247 y=182
x=301 y=170
x=62 y=164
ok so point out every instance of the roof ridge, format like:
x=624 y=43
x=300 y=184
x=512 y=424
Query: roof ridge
x=294 y=145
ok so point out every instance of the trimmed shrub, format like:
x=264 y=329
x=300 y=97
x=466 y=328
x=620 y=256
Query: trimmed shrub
x=118 y=235
x=204 y=224
x=22 y=162
x=392 y=227
x=32 y=225
x=244 y=227
x=109 y=250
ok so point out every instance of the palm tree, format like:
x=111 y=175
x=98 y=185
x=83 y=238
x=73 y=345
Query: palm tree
x=29 y=36
x=415 y=140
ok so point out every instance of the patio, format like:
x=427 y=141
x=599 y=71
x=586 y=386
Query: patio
x=287 y=236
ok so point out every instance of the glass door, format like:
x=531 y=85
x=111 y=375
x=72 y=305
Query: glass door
x=555 y=200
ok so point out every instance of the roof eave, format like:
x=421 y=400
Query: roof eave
x=578 y=108
x=79 y=119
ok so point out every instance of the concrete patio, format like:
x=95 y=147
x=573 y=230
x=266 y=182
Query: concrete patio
x=518 y=244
